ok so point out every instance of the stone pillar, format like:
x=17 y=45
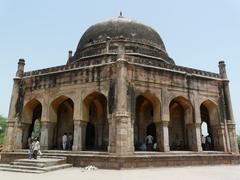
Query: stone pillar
x=233 y=137
x=112 y=135
x=162 y=136
x=46 y=139
x=9 y=136
x=79 y=135
x=162 y=127
x=194 y=129
x=108 y=39
x=13 y=136
x=124 y=134
x=18 y=136
x=99 y=135
x=228 y=108
x=142 y=132
x=121 y=117
x=194 y=136
x=219 y=143
x=25 y=128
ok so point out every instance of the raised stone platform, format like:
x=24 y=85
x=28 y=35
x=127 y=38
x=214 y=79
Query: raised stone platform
x=138 y=160
x=40 y=165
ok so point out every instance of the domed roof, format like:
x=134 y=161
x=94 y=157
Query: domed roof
x=121 y=27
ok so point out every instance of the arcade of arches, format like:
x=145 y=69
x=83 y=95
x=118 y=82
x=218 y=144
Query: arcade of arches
x=180 y=133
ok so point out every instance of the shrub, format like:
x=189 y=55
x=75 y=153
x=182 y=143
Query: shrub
x=3 y=122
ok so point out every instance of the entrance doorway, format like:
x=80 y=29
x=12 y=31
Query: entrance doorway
x=90 y=136
x=151 y=130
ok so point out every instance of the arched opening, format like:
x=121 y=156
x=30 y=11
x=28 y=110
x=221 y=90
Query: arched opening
x=204 y=134
x=151 y=129
x=147 y=112
x=90 y=136
x=32 y=113
x=95 y=114
x=211 y=139
x=180 y=117
x=61 y=114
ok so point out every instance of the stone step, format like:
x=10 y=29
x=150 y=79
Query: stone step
x=40 y=162
x=27 y=169
x=28 y=164
x=57 y=167
x=21 y=167
x=11 y=169
x=52 y=156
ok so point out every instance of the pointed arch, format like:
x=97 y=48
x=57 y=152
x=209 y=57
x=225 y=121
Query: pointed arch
x=210 y=116
x=28 y=110
x=32 y=111
x=61 y=112
x=212 y=110
x=181 y=114
x=95 y=114
x=147 y=114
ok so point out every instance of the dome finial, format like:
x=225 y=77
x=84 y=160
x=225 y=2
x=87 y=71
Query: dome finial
x=120 y=16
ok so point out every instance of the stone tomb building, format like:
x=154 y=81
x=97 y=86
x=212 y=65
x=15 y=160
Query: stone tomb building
x=119 y=86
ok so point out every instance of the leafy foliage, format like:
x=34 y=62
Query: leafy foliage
x=238 y=140
x=3 y=122
x=36 y=129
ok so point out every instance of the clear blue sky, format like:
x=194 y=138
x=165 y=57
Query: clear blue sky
x=196 y=33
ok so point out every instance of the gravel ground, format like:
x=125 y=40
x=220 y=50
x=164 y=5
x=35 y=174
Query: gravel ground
x=179 y=173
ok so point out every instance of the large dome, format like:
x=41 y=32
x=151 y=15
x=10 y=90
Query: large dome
x=121 y=27
x=138 y=38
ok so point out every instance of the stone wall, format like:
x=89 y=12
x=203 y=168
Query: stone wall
x=121 y=78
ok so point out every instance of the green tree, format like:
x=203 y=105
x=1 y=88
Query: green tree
x=238 y=140
x=36 y=129
x=3 y=123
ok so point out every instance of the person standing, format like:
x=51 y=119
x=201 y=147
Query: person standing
x=29 y=142
x=70 y=141
x=208 y=142
x=30 y=148
x=149 y=142
x=203 y=140
x=64 y=141
x=36 y=148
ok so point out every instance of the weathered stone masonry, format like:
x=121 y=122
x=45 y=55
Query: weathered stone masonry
x=119 y=86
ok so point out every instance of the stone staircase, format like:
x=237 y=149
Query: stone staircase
x=41 y=165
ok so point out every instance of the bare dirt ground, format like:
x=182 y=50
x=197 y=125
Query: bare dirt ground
x=178 y=173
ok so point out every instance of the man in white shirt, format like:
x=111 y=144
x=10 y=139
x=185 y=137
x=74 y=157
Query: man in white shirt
x=36 y=148
x=203 y=139
x=64 y=141
x=149 y=142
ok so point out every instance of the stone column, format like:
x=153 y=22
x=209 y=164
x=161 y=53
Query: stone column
x=219 y=143
x=79 y=135
x=162 y=127
x=121 y=116
x=46 y=139
x=18 y=136
x=228 y=107
x=13 y=137
x=162 y=136
x=141 y=132
x=112 y=135
x=100 y=135
x=194 y=136
x=9 y=136
x=233 y=137
x=124 y=134
x=25 y=128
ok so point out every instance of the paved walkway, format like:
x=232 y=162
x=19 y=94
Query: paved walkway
x=178 y=173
